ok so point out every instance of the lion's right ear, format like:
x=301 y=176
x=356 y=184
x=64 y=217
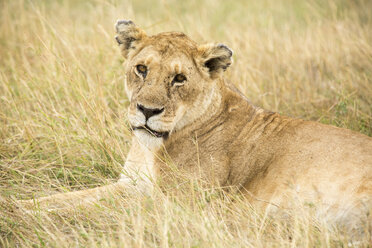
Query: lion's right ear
x=128 y=36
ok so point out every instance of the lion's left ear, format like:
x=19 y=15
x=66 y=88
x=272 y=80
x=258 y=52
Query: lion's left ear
x=129 y=36
x=215 y=58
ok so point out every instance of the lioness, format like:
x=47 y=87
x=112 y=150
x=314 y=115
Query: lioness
x=181 y=105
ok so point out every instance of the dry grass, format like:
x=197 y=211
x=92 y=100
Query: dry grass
x=63 y=113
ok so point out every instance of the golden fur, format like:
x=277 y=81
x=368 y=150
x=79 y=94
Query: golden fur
x=211 y=131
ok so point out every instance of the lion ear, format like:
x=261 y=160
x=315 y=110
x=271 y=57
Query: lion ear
x=128 y=36
x=215 y=58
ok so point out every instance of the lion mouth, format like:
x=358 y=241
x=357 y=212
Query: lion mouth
x=152 y=132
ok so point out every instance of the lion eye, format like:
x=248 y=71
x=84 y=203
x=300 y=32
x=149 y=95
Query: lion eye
x=179 y=78
x=142 y=69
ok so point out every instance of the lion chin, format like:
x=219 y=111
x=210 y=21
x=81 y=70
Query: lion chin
x=181 y=105
x=147 y=139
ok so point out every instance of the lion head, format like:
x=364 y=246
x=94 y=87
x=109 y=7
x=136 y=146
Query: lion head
x=171 y=81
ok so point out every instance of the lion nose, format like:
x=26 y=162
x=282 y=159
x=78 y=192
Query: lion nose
x=148 y=112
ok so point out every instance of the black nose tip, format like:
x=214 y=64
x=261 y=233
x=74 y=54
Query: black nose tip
x=148 y=112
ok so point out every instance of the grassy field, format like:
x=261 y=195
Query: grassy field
x=63 y=123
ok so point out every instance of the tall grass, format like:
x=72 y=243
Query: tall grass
x=63 y=120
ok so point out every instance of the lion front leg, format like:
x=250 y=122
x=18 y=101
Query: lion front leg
x=137 y=178
x=139 y=168
x=81 y=198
